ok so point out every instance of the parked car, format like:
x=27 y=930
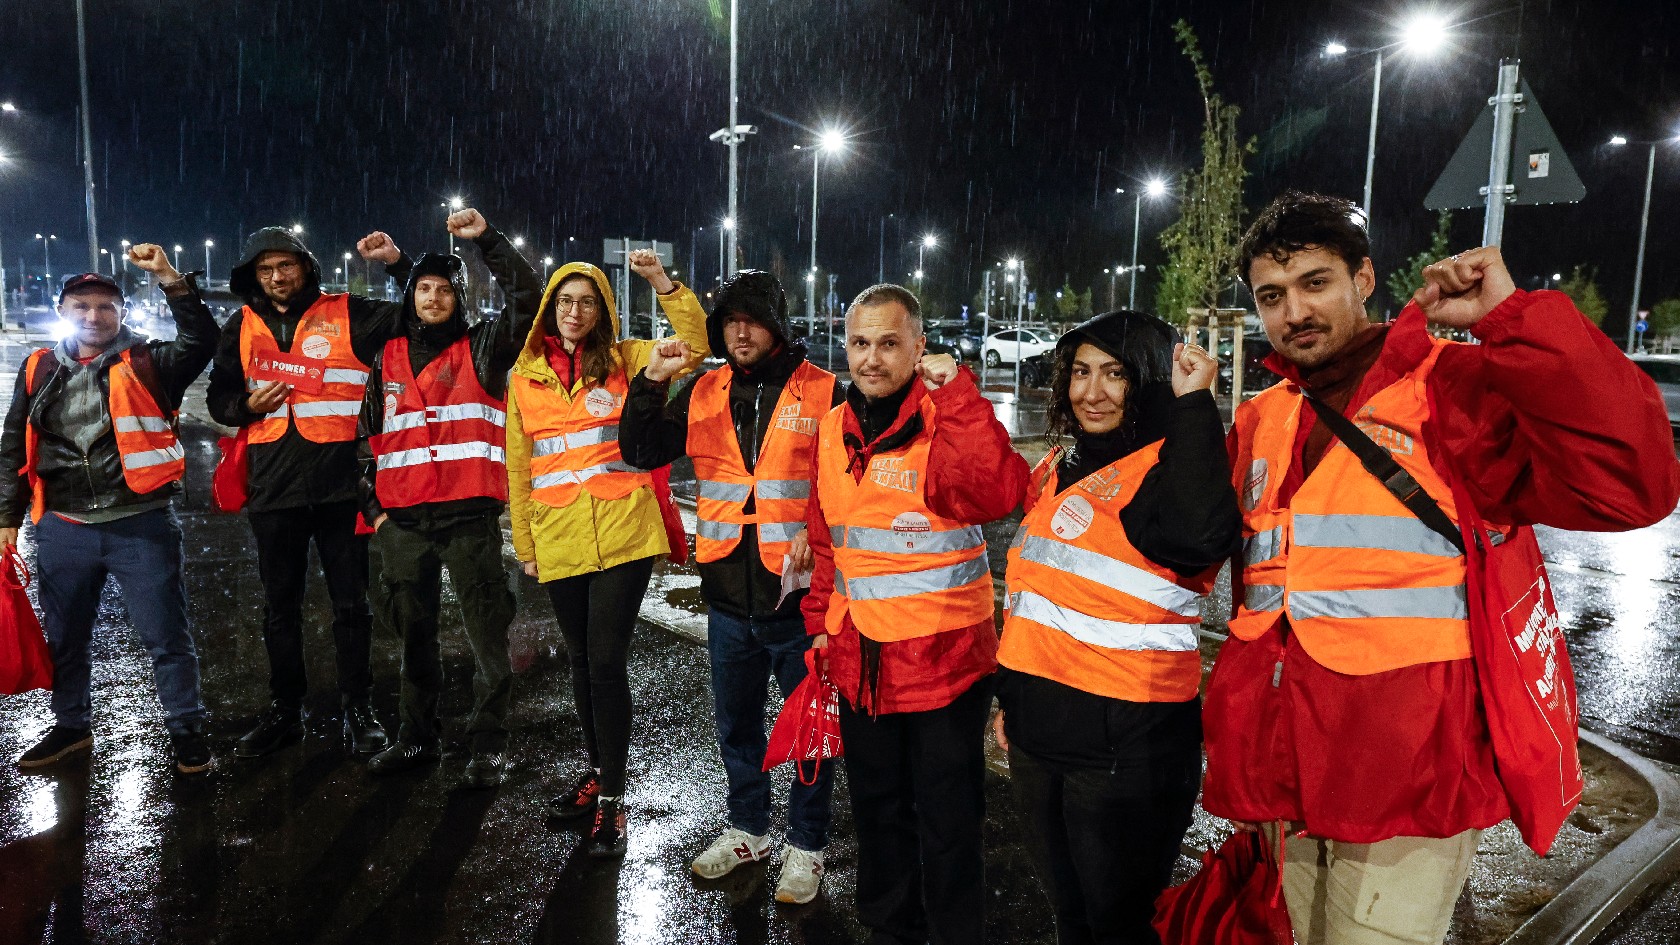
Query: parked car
x=1665 y=370
x=966 y=347
x=1256 y=376
x=827 y=352
x=1005 y=346
x=1037 y=370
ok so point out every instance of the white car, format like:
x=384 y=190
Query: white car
x=1665 y=370
x=1005 y=346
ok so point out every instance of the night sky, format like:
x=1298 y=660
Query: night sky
x=1003 y=127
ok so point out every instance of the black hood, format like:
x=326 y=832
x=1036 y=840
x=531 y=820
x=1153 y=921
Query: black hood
x=1144 y=345
x=756 y=294
x=446 y=265
x=269 y=239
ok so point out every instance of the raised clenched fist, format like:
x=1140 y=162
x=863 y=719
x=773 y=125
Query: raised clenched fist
x=152 y=258
x=1193 y=369
x=645 y=263
x=1459 y=290
x=467 y=224
x=378 y=247
x=937 y=370
x=669 y=356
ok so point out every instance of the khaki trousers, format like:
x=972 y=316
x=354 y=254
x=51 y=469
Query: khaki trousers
x=1400 y=890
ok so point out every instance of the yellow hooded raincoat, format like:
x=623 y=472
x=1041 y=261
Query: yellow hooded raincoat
x=589 y=534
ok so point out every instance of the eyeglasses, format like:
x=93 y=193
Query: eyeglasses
x=565 y=303
x=279 y=269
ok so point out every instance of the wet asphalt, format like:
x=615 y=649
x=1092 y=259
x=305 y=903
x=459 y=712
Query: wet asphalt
x=305 y=846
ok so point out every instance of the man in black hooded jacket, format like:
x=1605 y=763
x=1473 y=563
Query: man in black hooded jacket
x=431 y=442
x=302 y=480
x=750 y=428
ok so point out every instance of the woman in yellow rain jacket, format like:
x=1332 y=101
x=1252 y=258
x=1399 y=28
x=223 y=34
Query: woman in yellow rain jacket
x=586 y=523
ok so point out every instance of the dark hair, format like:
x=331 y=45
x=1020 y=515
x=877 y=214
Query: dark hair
x=1294 y=221
x=1143 y=344
x=597 y=361
x=887 y=292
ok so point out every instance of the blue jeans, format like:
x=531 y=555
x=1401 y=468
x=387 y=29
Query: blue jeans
x=744 y=654
x=144 y=553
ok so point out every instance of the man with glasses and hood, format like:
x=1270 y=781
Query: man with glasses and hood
x=431 y=439
x=750 y=428
x=302 y=452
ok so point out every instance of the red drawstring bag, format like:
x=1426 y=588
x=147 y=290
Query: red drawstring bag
x=808 y=727
x=675 y=534
x=1236 y=898
x=1522 y=666
x=229 y=484
x=25 y=663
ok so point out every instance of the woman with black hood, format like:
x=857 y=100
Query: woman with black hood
x=432 y=440
x=1123 y=534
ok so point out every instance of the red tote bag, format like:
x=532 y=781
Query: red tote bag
x=808 y=727
x=229 y=484
x=25 y=663
x=1236 y=898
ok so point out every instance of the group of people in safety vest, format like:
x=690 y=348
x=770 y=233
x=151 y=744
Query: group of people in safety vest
x=843 y=528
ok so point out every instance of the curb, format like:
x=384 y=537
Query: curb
x=1593 y=900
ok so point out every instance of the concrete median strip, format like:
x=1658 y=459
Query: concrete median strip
x=1593 y=900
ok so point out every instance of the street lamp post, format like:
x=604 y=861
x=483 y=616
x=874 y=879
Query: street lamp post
x=1644 y=225
x=725 y=238
x=177 y=262
x=548 y=263
x=207 y=245
x=831 y=142
x=450 y=206
x=1155 y=188
x=927 y=242
x=1422 y=34
x=46 y=254
x=347 y=275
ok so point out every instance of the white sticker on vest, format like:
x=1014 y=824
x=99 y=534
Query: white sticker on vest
x=1072 y=518
x=912 y=522
x=1254 y=486
x=390 y=407
x=317 y=347
x=599 y=402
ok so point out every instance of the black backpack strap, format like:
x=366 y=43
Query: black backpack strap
x=1381 y=464
x=145 y=368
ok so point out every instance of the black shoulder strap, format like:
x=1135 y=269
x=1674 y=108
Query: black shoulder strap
x=1381 y=464
x=45 y=365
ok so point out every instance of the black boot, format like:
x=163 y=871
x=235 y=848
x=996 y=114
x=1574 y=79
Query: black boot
x=277 y=727
x=362 y=732
x=191 y=750
x=59 y=743
x=486 y=769
x=403 y=756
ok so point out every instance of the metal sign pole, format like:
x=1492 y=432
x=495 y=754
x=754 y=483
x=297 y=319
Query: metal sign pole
x=1499 y=186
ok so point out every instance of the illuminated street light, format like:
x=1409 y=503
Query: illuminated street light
x=297 y=229
x=832 y=141
x=1154 y=188
x=207 y=245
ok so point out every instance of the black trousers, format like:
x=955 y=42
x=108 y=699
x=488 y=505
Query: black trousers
x=283 y=537
x=917 y=783
x=1103 y=840
x=597 y=615
x=411 y=563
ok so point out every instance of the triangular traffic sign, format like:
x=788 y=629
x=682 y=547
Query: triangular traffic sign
x=1540 y=170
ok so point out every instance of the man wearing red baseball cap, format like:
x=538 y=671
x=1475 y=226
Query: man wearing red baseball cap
x=92 y=430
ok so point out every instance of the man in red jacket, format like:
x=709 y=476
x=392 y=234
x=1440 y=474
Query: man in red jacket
x=1345 y=709
x=907 y=470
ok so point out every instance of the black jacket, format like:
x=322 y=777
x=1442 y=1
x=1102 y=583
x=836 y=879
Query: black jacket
x=495 y=345
x=79 y=481
x=293 y=472
x=652 y=433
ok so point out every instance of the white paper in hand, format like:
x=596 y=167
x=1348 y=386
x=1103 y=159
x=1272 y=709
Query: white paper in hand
x=792 y=580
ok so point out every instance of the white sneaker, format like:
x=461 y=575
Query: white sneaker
x=732 y=849
x=801 y=875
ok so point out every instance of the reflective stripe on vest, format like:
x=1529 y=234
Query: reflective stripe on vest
x=323 y=334
x=1086 y=608
x=902 y=571
x=1113 y=634
x=1365 y=585
x=574 y=440
x=443 y=436
x=779 y=485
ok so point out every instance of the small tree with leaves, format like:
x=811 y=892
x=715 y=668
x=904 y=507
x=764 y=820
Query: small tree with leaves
x=1665 y=318
x=1582 y=287
x=1201 y=244
x=1409 y=278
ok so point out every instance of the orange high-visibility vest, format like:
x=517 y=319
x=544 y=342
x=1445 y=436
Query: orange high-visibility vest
x=780 y=483
x=1087 y=609
x=901 y=571
x=574 y=441
x=1366 y=586
x=151 y=453
x=323 y=334
x=443 y=437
